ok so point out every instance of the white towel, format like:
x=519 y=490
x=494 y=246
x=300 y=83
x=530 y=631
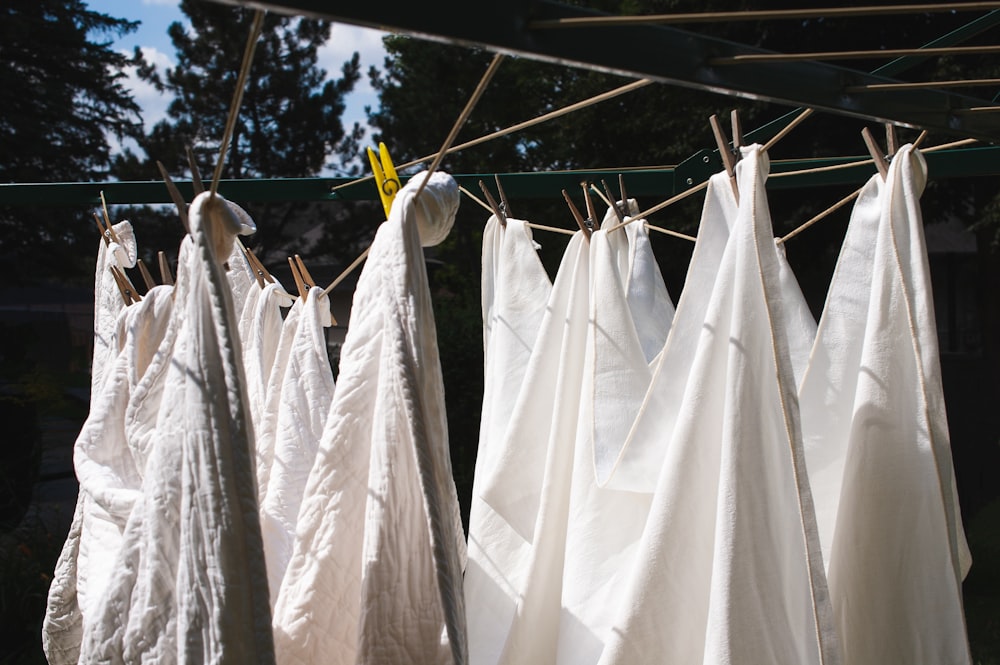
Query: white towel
x=515 y=292
x=376 y=572
x=306 y=393
x=730 y=570
x=877 y=440
x=110 y=479
x=192 y=584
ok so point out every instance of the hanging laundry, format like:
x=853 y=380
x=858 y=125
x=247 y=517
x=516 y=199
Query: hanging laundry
x=515 y=292
x=708 y=588
x=108 y=299
x=239 y=273
x=607 y=513
x=306 y=393
x=192 y=584
x=260 y=331
x=635 y=465
x=529 y=488
x=877 y=440
x=110 y=478
x=376 y=573
x=266 y=423
x=648 y=299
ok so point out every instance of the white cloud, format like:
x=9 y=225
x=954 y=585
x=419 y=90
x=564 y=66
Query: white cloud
x=344 y=41
x=150 y=100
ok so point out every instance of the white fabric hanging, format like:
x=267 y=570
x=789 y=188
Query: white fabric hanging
x=877 y=441
x=709 y=587
x=634 y=466
x=376 y=572
x=529 y=487
x=266 y=422
x=110 y=479
x=515 y=291
x=604 y=525
x=260 y=331
x=306 y=393
x=648 y=299
x=192 y=584
x=108 y=301
x=239 y=274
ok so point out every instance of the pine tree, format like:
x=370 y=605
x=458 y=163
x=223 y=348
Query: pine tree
x=61 y=96
x=289 y=124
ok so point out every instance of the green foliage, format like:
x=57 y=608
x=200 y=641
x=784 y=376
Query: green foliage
x=61 y=95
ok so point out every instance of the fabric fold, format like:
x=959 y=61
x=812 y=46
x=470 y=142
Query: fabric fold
x=375 y=576
x=709 y=586
x=877 y=441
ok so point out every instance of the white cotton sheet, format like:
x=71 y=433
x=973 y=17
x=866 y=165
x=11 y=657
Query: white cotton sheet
x=110 y=480
x=515 y=292
x=730 y=568
x=877 y=443
x=375 y=576
x=306 y=394
x=192 y=585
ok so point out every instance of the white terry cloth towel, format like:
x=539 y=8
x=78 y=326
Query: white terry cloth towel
x=109 y=482
x=266 y=422
x=306 y=394
x=877 y=441
x=376 y=573
x=515 y=292
x=730 y=570
x=192 y=585
x=261 y=323
x=108 y=300
x=530 y=485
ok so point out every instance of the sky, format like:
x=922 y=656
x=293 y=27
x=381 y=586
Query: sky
x=151 y=37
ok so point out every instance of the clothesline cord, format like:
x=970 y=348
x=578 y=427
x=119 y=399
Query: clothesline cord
x=552 y=115
x=462 y=118
x=234 y=107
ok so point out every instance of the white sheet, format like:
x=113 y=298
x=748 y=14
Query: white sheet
x=515 y=291
x=710 y=586
x=192 y=583
x=376 y=572
x=877 y=440
x=307 y=390
x=108 y=300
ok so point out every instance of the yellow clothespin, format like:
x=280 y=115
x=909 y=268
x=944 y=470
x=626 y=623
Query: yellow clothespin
x=385 y=176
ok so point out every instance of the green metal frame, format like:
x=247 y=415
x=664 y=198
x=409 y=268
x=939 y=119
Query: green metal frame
x=502 y=28
x=654 y=183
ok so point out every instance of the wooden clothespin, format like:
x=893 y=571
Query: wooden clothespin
x=876 y=152
x=734 y=119
x=891 y=139
x=611 y=199
x=299 y=282
x=621 y=188
x=577 y=216
x=504 y=204
x=175 y=196
x=385 y=176
x=196 y=182
x=497 y=210
x=727 y=156
x=258 y=268
x=146 y=277
x=107 y=219
x=165 y=275
x=591 y=220
x=306 y=277
x=105 y=236
x=125 y=286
